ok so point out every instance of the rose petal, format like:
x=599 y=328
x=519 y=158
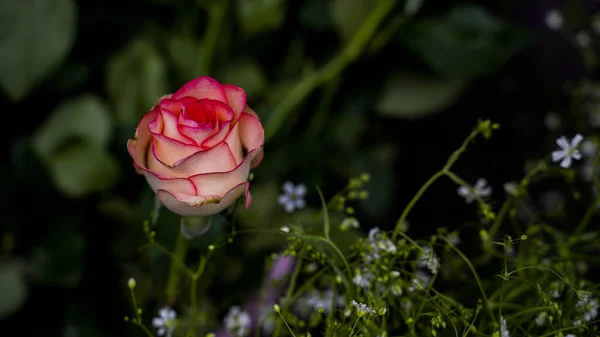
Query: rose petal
x=168 y=151
x=191 y=205
x=202 y=87
x=217 y=183
x=181 y=185
x=252 y=135
x=217 y=137
x=166 y=124
x=139 y=144
x=217 y=159
x=236 y=97
x=235 y=143
x=175 y=105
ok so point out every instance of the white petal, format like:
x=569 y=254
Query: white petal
x=289 y=206
x=481 y=182
x=283 y=199
x=576 y=140
x=485 y=192
x=161 y=331
x=158 y=322
x=558 y=155
x=566 y=162
x=562 y=142
x=300 y=190
x=300 y=203
x=164 y=312
x=576 y=155
x=463 y=191
x=288 y=187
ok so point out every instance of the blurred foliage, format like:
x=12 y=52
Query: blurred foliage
x=78 y=76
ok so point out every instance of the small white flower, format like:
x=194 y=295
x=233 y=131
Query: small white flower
x=362 y=309
x=540 y=320
x=570 y=335
x=237 y=322
x=511 y=188
x=554 y=19
x=363 y=278
x=349 y=222
x=480 y=190
x=429 y=259
x=292 y=197
x=503 y=330
x=583 y=39
x=568 y=151
x=590 y=307
x=165 y=322
x=378 y=243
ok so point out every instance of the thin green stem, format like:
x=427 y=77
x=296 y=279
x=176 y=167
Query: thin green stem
x=353 y=327
x=475 y=274
x=138 y=317
x=194 y=292
x=180 y=251
x=413 y=202
x=584 y=221
x=348 y=55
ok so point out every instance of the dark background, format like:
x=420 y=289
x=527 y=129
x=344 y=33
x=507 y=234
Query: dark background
x=518 y=92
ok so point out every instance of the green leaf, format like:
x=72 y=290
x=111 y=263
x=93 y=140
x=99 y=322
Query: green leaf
x=13 y=290
x=466 y=41
x=245 y=73
x=136 y=78
x=409 y=95
x=257 y=16
x=35 y=37
x=348 y=15
x=83 y=168
x=85 y=117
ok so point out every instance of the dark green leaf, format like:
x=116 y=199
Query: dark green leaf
x=13 y=290
x=466 y=41
x=35 y=36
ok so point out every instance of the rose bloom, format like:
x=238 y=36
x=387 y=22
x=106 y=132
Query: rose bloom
x=197 y=146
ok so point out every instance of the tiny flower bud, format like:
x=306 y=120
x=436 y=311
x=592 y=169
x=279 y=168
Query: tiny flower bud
x=285 y=229
x=276 y=308
x=321 y=310
x=365 y=177
x=211 y=247
x=131 y=283
x=382 y=311
x=210 y=334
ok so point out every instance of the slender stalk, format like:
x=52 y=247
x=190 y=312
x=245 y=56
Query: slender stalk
x=180 y=251
x=348 y=55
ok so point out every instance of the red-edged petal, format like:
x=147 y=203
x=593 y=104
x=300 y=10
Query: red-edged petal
x=175 y=105
x=179 y=185
x=172 y=128
x=191 y=205
x=202 y=87
x=252 y=135
x=164 y=153
x=217 y=183
x=237 y=99
x=217 y=137
x=217 y=159
x=139 y=144
x=235 y=143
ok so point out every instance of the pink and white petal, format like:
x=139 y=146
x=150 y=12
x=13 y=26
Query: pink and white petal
x=252 y=135
x=191 y=205
x=171 y=128
x=217 y=159
x=179 y=185
x=202 y=87
x=235 y=143
x=175 y=105
x=139 y=144
x=237 y=99
x=157 y=125
x=164 y=153
x=218 y=137
x=217 y=183
x=198 y=134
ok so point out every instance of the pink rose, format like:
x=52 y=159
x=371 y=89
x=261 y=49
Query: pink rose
x=196 y=147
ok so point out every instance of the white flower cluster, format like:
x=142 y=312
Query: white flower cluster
x=429 y=259
x=165 y=322
x=237 y=322
x=379 y=244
